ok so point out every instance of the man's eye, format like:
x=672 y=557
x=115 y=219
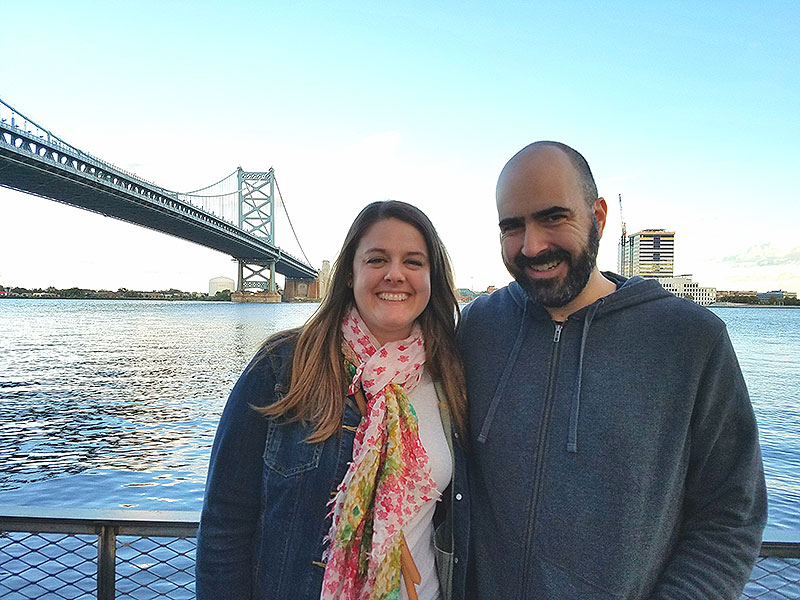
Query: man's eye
x=554 y=218
x=507 y=228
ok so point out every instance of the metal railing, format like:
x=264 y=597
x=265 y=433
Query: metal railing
x=82 y=554
x=776 y=575
x=105 y=554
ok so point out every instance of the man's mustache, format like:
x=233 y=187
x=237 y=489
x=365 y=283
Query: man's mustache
x=557 y=254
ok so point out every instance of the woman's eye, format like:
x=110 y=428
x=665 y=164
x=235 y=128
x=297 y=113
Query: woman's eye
x=375 y=261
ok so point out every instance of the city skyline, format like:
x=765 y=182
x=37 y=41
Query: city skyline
x=688 y=112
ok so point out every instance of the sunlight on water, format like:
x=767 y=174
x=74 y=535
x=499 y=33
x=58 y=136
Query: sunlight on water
x=97 y=398
x=766 y=342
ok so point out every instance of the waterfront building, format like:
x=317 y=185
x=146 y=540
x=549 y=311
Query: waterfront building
x=218 y=284
x=777 y=295
x=649 y=253
x=683 y=287
x=465 y=295
x=736 y=294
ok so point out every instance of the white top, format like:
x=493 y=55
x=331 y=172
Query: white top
x=419 y=531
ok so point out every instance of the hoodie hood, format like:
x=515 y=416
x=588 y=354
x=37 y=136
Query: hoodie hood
x=630 y=292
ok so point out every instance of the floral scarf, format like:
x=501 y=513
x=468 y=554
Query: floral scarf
x=389 y=479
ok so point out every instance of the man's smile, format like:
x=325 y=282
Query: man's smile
x=545 y=267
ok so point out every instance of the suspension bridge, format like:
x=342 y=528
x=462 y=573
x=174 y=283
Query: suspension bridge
x=235 y=215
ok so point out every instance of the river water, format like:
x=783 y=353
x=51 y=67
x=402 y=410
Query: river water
x=112 y=404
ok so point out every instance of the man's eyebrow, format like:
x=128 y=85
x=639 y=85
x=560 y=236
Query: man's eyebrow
x=541 y=214
x=553 y=210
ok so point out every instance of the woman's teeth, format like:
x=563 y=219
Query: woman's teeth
x=394 y=297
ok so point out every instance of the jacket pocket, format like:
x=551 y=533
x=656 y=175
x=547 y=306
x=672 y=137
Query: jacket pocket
x=286 y=451
x=443 y=548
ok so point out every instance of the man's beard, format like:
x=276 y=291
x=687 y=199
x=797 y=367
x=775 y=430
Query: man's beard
x=553 y=293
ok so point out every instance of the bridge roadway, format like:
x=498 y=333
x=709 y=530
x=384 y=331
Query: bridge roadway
x=40 y=164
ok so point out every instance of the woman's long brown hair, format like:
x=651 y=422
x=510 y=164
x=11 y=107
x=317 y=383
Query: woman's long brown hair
x=318 y=388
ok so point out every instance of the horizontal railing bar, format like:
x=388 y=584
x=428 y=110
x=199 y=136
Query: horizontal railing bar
x=121 y=515
x=175 y=523
x=35 y=519
x=781 y=549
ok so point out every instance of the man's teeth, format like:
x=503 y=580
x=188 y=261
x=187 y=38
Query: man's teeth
x=395 y=297
x=547 y=266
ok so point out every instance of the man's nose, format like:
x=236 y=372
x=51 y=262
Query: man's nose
x=534 y=241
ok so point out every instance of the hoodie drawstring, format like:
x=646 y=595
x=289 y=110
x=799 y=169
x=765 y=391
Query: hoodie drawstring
x=501 y=386
x=572 y=439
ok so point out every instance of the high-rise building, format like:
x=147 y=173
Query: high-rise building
x=649 y=253
x=324 y=278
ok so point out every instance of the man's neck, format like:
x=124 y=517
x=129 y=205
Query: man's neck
x=597 y=287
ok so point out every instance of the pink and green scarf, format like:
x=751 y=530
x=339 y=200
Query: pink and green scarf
x=389 y=479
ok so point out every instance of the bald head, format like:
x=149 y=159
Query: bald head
x=543 y=158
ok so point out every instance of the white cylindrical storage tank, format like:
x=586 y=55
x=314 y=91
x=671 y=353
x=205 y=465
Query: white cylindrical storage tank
x=217 y=284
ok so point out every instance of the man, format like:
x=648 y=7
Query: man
x=614 y=452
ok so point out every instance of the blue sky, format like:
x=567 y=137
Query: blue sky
x=687 y=109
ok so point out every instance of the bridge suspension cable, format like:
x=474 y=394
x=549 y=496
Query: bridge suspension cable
x=208 y=187
x=220 y=198
x=291 y=226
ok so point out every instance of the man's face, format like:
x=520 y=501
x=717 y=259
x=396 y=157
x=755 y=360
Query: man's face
x=549 y=235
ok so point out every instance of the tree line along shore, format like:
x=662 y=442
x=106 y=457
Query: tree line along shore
x=76 y=293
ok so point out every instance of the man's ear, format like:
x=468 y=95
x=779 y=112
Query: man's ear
x=600 y=213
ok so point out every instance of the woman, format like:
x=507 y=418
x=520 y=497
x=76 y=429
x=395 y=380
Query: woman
x=307 y=499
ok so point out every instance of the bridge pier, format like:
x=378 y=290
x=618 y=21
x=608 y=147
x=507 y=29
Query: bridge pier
x=258 y=277
x=257 y=297
x=301 y=289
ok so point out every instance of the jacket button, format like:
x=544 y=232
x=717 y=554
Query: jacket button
x=455 y=560
x=458 y=496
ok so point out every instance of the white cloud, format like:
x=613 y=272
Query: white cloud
x=765 y=255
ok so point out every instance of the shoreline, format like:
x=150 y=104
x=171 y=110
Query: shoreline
x=736 y=305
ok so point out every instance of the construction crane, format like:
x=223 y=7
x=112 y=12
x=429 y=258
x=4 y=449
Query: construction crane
x=622 y=258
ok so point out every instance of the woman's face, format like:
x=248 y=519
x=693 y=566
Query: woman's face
x=391 y=278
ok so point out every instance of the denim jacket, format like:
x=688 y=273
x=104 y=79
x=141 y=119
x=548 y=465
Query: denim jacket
x=266 y=514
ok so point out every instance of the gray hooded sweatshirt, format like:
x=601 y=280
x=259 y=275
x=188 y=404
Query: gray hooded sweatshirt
x=612 y=456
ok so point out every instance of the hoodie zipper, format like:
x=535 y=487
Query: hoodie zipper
x=548 y=405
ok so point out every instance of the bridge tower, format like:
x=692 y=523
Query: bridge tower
x=256 y=216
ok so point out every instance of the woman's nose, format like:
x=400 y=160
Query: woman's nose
x=394 y=272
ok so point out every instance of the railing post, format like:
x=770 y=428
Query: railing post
x=106 y=562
